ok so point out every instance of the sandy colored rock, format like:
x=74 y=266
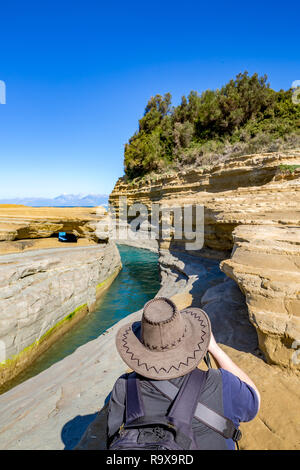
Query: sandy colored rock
x=277 y=425
x=252 y=207
x=57 y=409
x=46 y=286
x=19 y=246
x=41 y=291
x=31 y=223
x=252 y=189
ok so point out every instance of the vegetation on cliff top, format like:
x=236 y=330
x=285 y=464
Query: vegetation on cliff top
x=244 y=116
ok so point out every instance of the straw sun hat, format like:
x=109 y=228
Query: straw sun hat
x=166 y=343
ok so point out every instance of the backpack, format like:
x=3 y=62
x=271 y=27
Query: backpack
x=174 y=430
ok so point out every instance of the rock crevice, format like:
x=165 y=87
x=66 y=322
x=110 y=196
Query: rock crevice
x=251 y=224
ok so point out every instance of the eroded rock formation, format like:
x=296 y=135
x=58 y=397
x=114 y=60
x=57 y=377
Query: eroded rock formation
x=57 y=408
x=48 y=287
x=23 y=228
x=251 y=206
x=266 y=265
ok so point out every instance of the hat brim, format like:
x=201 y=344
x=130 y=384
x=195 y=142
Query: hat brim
x=171 y=363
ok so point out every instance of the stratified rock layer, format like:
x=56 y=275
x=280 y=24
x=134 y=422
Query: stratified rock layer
x=43 y=292
x=47 y=286
x=54 y=409
x=23 y=227
x=254 y=189
x=266 y=265
x=251 y=205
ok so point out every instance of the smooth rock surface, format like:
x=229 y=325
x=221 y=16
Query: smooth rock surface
x=40 y=288
x=49 y=410
x=54 y=409
x=33 y=223
x=252 y=207
x=227 y=310
x=266 y=265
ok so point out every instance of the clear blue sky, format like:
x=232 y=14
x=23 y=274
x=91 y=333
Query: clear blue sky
x=79 y=73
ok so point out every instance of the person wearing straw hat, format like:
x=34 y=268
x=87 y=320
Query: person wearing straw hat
x=167 y=402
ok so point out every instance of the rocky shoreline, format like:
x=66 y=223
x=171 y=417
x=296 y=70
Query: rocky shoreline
x=252 y=224
x=44 y=292
x=56 y=409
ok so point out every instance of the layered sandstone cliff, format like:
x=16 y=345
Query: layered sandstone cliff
x=251 y=207
x=265 y=263
x=27 y=228
x=252 y=227
x=47 y=286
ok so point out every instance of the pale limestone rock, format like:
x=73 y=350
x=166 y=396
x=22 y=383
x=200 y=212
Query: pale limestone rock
x=35 y=414
x=266 y=265
x=53 y=409
x=48 y=281
x=47 y=285
x=27 y=228
x=257 y=200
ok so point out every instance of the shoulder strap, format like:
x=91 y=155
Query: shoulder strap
x=207 y=416
x=134 y=409
x=183 y=409
x=184 y=405
x=134 y=403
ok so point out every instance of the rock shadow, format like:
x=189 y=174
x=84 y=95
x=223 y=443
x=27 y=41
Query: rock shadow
x=219 y=296
x=87 y=432
x=183 y=272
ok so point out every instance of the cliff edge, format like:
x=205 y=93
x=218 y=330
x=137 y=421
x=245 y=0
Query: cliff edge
x=47 y=286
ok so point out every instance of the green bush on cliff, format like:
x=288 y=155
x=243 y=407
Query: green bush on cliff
x=244 y=116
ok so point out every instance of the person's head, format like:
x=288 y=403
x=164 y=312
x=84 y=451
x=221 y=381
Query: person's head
x=166 y=343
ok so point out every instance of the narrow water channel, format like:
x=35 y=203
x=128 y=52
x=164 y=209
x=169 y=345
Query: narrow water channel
x=137 y=283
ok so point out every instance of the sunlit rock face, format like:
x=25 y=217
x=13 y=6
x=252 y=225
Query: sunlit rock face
x=251 y=224
x=47 y=286
x=266 y=265
x=23 y=228
x=59 y=408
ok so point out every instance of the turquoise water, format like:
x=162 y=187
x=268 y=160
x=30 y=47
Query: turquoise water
x=137 y=283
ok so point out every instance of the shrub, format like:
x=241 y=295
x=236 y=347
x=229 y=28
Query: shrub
x=245 y=115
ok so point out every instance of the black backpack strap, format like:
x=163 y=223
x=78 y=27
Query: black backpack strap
x=135 y=411
x=183 y=408
x=134 y=403
x=203 y=413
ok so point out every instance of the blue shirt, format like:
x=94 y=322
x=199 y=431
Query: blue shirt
x=240 y=401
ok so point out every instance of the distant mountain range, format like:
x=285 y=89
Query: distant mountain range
x=69 y=200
